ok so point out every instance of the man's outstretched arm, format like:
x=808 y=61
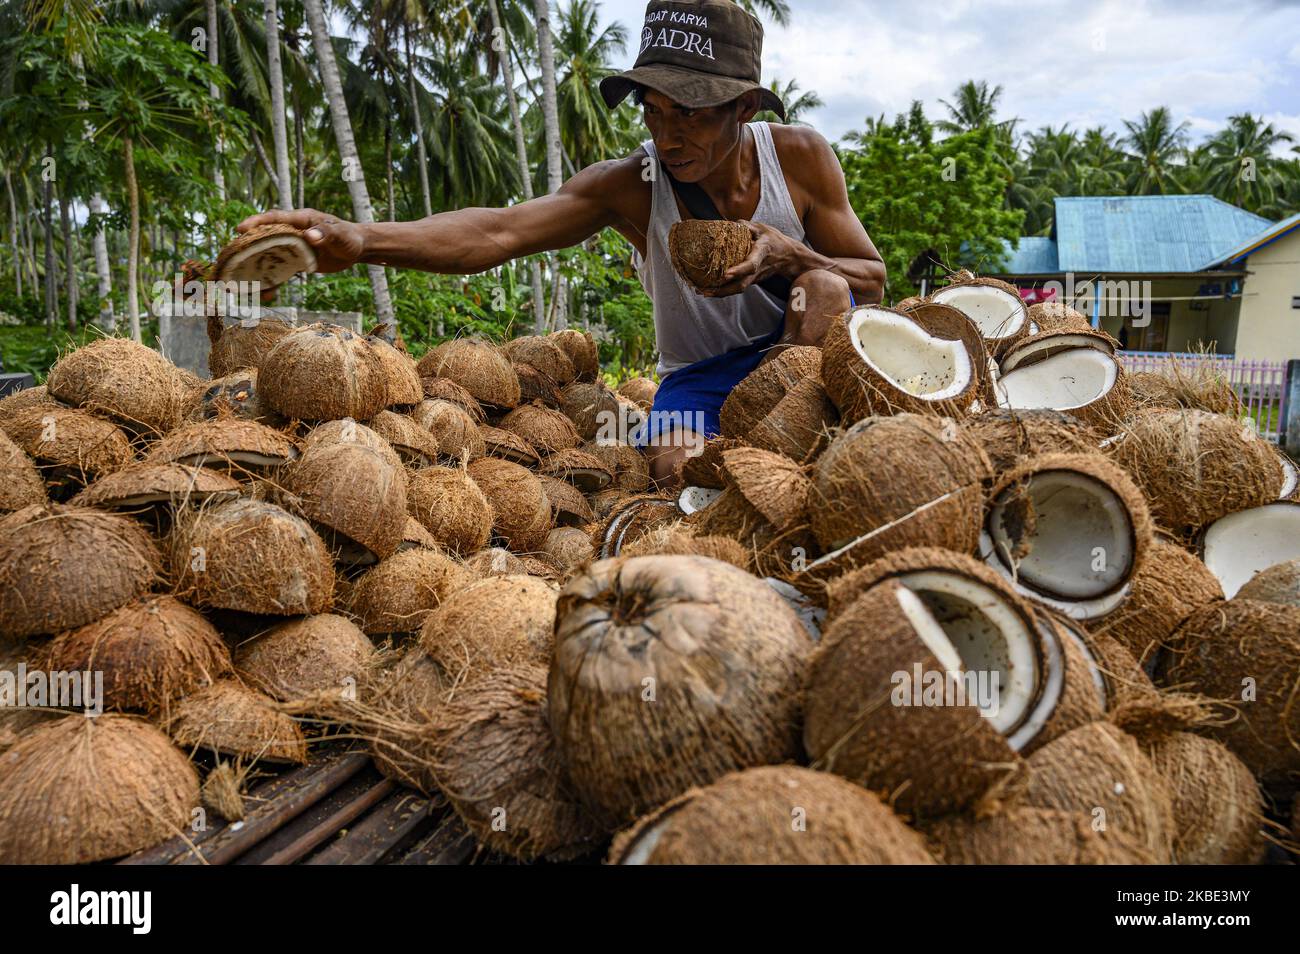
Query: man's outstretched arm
x=467 y=241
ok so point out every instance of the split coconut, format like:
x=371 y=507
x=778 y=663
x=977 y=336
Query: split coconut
x=543 y=429
x=993 y=307
x=1240 y=545
x=703 y=250
x=230 y=719
x=324 y=372
x=449 y=504
x=1075 y=373
x=414 y=444
x=143 y=484
x=122 y=379
x=478 y=367
x=543 y=355
x=325 y=654
x=267 y=254
x=1008 y=436
x=1033 y=836
x=758 y=394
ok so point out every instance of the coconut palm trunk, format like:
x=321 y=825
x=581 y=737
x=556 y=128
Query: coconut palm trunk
x=351 y=162
x=214 y=60
x=133 y=240
x=47 y=221
x=551 y=122
x=71 y=292
x=421 y=154
x=13 y=233
x=103 y=270
x=279 y=130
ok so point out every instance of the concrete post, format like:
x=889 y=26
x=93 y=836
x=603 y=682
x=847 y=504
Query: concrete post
x=1288 y=425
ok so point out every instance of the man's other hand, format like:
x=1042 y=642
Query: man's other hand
x=338 y=244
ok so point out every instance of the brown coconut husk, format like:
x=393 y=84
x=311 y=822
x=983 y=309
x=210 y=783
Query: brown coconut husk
x=415 y=445
x=354 y=495
x=677 y=538
x=414 y=535
x=913 y=480
x=21 y=400
x=403 y=701
x=859 y=390
x=536 y=386
x=545 y=430
x=1170 y=585
x=569 y=547
x=231 y=719
x=143 y=484
x=496 y=761
x=478 y=367
x=245 y=344
x=508 y=446
x=1218 y=809
x=80 y=790
x=1176 y=385
x=640 y=391
x=445 y=389
x=1008 y=436
x=1106 y=412
x=152 y=651
x=324 y=372
x=705 y=468
x=763 y=388
x=223 y=790
x=495 y=561
x=1195 y=467
x=569 y=508
x=581 y=348
x=702 y=250
x=243 y=447
x=397 y=595
x=251 y=556
x=1279 y=584
x=586 y=471
x=1245 y=655
x=122 y=379
x=1000 y=345
x=351 y=433
x=315 y=654
x=603 y=502
x=780 y=814
x=722 y=655
x=70 y=448
x=1133 y=703
x=20 y=482
x=449 y=504
x=402 y=380
x=496 y=621
x=800 y=425
x=544 y=566
x=1050 y=316
x=268 y=254
x=1033 y=836
x=234 y=395
x=628 y=465
x=629 y=519
x=591 y=407
x=453 y=430
x=62 y=567
x=544 y=355
x=521 y=514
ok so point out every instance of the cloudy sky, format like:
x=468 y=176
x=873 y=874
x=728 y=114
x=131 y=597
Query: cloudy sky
x=1081 y=62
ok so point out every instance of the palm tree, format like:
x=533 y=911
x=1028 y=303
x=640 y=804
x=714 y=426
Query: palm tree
x=1155 y=144
x=551 y=127
x=589 y=130
x=212 y=39
x=976 y=107
x=1239 y=164
x=353 y=174
x=279 y=130
x=778 y=10
x=797 y=104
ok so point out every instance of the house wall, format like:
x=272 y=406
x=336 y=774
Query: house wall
x=1270 y=327
x=1206 y=325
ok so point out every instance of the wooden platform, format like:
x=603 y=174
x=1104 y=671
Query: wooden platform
x=339 y=810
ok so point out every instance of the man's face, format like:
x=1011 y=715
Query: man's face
x=692 y=142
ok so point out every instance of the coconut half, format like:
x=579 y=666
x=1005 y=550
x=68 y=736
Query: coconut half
x=244 y=344
x=269 y=254
x=543 y=355
x=134 y=385
x=144 y=484
x=453 y=430
x=758 y=394
x=772 y=815
x=581 y=349
x=414 y=444
x=397 y=595
x=480 y=368
x=508 y=446
x=1279 y=583
x=584 y=470
x=324 y=372
x=70 y=448
x=1242 y=544
x=229 y=718
x=449 y=504
x=20 y=482
x=993 y=307
x=1033 y=836
x=315 y=654
x=569 y=508
x=228 y=443
x=1083 y=381
x=521 y=514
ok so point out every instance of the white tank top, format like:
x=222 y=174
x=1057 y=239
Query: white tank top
x=689 y=327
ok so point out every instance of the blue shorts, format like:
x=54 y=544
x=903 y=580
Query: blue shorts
x=691 y=397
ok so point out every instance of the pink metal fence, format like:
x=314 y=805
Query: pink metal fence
x=1258 y=383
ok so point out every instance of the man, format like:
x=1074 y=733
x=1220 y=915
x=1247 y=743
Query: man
x=697 y=80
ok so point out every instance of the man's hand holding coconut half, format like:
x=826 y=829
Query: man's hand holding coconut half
x=742 y=231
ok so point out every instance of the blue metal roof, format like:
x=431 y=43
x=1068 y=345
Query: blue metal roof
x=1035 y=255
x=1274 y=232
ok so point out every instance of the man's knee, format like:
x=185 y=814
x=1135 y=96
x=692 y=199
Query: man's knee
x=816 y=297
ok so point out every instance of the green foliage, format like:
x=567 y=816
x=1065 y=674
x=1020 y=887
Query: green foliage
x=33 y=349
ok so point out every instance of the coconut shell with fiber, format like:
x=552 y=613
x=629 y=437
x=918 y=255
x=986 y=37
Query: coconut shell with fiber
x=676 y=538
x=1279 y=584
x=143 y=484
x=496 y=621
x=71 y=448
x=592 y=407
x=1009 y=436
x=763 y=388
x=151 y=652
x=229 y=443
x=324 y=372
x=508 y=446
x=349 y=432
x=480 y=368
x=569 y=508
x=994 y=307
x=80 y=790
x=234 y=395
x=544 y=355
x=627 y=520
x=703 y=250
x=231 y=719
x=581 y=348
x=122 y=379
x=640 y=391
x=414 y=444
x=629 y=467
x=1218 y=809
x=720 y=653
x=20 y=482
x=396 y=595
x=585 y=470
x=1245 y=655
x=495 y=561
x=449 y=504
x=1032 y=836
x=545 y=430
x=445 y=389
x=268 y=254
x=1050 y=316
x=62 y=567
x=536 y=386
x=402 y=379
x=453 y=430
x=245 y=344
x=497 y=763
x=251 y=556
x=521 y=514
x=569 y=547
x=302 y=657
x=356 y=497
x=772 y=815
x=800 y=425
x=20 y=400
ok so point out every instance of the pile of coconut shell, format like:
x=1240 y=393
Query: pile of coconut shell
x=953 y=588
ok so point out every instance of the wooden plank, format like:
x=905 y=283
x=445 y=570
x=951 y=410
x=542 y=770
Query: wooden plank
x=282 y=800
x=393 y=823
x=318 y=834
x=449 y=844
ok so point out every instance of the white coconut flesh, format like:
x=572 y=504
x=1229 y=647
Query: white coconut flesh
x=1042 y=350
x=995 y=312
x=1290 y=476
x=811 y=615
x=694 y=499
x=908 y=357
x=247 y=458
x=272 y=261
x=970 y=628
x=1081 y=544
x=1238 y=546
x=1061 y=382
x=1075 y=609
